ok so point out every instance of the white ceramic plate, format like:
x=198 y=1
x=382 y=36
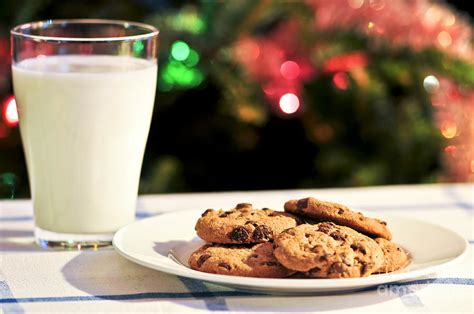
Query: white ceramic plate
x=148 y=242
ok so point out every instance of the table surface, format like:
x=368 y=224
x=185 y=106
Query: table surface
x=34 y=279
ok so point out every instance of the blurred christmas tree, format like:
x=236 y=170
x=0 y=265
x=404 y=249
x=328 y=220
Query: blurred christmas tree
x=268 y=94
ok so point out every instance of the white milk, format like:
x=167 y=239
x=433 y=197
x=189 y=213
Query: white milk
x=84 y=122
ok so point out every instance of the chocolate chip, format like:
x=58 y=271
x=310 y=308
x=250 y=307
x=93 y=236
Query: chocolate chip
x=239 y=234
x=340 y=211
x=225 y=265
x=365 y=268
x=206 y=212
x=290 y=231
x=325 y=227
x=302 y=203
x=317 y=249
x=346 y=260
x=337 y=235
x=252 y=222
x=298 y=220
x=223 y=215
x=323 y=258
x=266 y=208
x=262 y=233
x=358 y=247
x=243 y=205
x=383 y=223
x=336 y=268
x=270 y=263
x=202 y=259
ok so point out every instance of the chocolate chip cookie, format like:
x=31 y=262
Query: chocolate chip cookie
x=326 y=250
x=339 y=214
x=238 y=260
x=395 y=257
x=243 y=224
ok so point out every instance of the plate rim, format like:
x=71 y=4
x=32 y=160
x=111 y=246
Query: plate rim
x=289 y=284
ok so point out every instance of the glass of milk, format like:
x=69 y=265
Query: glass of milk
x=85 y=91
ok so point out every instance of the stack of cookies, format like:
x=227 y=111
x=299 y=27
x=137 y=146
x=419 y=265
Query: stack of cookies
x=312 y=238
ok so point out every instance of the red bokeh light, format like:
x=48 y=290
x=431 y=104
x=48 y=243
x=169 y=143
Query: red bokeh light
x=346 y=62
x=341 y=80
x=290 y=70
x=10 y=113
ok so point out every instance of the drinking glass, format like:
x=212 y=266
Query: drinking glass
x=85 y=91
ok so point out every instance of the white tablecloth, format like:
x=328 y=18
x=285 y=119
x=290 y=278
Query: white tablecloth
x=33 y=279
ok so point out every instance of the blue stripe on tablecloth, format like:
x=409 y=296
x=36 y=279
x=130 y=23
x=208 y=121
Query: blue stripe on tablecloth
x=6 y=293
x=457 y=203
x=16 y=218
x=214 y=303
x=213 y=294
x=452 y=193
x=409 y=297
x=134 y=296
x=139 y=215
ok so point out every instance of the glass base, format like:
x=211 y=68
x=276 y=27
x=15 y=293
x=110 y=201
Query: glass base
x=67 y=241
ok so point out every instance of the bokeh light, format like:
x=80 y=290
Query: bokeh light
x=10 y=113
x=289 y=103
x=431 y=83
x=181 y=70
x=444 y=39
x=450 y=149
x=355 y=4
x=138 y=48
x=450 y=19
x=449 y=129
x=180 y=50
x=187 y=20
x=192 y=59
x=377 y=4
x=290 y=70
x=246 y=50
x=341 y=80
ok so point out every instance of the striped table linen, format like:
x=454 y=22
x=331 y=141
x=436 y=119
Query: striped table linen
x=38 y=280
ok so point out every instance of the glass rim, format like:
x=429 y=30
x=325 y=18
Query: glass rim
x=149 y=30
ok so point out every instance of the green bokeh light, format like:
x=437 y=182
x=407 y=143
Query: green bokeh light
x=165 y=86
x=137 y=48
x=8 y=178
x=188 y=20
x=192 y=59
x=180 y=50
x=198 y=77
x=181 y=74
x=167 y=77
